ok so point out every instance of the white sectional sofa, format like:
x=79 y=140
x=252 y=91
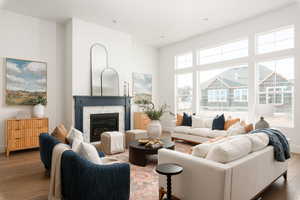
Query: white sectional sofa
x=242 y=179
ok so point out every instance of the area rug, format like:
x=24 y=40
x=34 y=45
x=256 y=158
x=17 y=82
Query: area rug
x=144 y=180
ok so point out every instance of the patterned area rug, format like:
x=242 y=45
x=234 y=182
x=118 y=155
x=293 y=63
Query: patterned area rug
x=144 y=180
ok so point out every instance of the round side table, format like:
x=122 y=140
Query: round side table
x=169 y=169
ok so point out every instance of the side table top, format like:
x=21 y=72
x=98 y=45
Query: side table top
x=169 y=169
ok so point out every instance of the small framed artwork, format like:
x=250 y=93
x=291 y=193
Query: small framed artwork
x=26 y=81
x=142 y=86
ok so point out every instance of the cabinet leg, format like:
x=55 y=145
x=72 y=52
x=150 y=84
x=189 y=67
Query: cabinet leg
x=7 y=153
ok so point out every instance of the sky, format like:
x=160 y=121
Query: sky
x=26 y=75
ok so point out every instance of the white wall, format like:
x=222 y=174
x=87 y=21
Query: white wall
x=285 y=16
x=34 y=39
x=126 y=55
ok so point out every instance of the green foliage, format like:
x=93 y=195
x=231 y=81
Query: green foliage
x=40 y=100
x=150 y=110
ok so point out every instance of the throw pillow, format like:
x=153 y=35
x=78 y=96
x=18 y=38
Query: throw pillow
x=218 y=122
x=201 y=150
x=74 y=133
x=60 y=133
x=75 y=145
x=179 y=120
x=230 y=122
x=247 y=127
x=187 y=120
x=197 y=122
x=89 y=152
x=236 y=129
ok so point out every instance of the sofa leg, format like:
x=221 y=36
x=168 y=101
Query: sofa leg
x=285 y=175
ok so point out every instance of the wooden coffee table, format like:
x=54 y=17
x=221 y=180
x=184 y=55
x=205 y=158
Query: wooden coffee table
x=138 y=152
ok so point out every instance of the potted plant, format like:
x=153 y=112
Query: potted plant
x=154 y=128
x=39 y=107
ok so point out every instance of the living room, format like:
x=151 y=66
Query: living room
x=208 y=71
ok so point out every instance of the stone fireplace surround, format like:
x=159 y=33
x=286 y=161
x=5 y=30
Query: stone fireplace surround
x=86 y=105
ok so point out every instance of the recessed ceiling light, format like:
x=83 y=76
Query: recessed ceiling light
x=205 y=19
x=162 y=37
x=114 y=21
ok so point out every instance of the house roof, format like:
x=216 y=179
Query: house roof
x=236 y=77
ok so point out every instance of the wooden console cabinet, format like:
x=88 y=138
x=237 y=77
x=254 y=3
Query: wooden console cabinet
x=24 y=133
x=141 y=120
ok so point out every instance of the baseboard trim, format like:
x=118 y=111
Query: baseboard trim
x=295 y=148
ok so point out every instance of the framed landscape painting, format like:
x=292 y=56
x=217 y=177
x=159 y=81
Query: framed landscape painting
x=142 y=86
x=26 y=81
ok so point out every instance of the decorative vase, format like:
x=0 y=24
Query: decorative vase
x=38 y=111
x=262 y=123
x=154 y=129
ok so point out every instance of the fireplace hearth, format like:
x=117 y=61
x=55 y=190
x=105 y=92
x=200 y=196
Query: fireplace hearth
x=103 y=122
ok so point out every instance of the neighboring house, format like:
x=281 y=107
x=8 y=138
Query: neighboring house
x=230 y=89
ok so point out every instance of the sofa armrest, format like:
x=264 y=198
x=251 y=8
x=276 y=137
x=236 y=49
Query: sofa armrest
x=47 y=143
x=83 y=180
x=200 y=177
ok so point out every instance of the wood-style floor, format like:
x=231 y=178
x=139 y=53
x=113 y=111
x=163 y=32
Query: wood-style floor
x=22 y=177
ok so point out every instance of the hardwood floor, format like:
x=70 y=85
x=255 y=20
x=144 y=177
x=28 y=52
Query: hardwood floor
x=22 y=177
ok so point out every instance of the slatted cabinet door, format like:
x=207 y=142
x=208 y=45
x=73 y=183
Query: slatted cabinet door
x=24 y=133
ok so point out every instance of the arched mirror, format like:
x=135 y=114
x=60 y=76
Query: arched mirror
x=99 y=61
x=109 y=82
x=104 y=79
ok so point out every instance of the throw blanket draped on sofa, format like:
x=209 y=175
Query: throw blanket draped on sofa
x=278 y=141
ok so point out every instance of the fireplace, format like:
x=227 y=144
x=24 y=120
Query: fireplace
x=101 y=123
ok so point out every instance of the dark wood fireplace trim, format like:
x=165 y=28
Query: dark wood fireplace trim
x=83 y=101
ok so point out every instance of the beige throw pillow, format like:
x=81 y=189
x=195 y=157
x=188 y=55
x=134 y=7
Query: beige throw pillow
x=74 y=133
x=60 y=133
x=89 y=152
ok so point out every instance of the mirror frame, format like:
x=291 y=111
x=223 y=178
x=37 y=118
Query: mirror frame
x=91 y=64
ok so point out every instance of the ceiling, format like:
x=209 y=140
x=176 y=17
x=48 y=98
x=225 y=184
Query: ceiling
x=154 y=22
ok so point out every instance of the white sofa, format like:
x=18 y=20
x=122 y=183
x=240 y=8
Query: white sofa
x=242 y=179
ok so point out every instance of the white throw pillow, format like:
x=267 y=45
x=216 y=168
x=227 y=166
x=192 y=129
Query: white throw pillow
x=75 y=144
x=208 y=123
x=258 y=141
x=89 y=152
x=74 y=133
x=230 y=150
x=197 y=122
x=236 y=129
x=201 y=150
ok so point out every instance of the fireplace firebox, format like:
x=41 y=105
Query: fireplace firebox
x=101 y=123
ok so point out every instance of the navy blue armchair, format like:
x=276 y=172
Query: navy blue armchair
x=84 y=180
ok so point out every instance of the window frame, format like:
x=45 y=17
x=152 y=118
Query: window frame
x=180 y=55
x=256 y=48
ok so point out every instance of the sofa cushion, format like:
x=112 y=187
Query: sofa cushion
x=89 y=152
x=201 y=150
x=182 y=129
x=203 y=132
x=217 y=133
x=258 y=141
x=187 y=120
x=230 y=122
x=74 y=133
x=218 y=122
x=236 y=129
x=230 y=150
x=198 y=122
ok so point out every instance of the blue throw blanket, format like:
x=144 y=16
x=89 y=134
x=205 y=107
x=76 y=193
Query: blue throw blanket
x=278 y=141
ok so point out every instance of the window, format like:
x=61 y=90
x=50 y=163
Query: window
x=240 y=95
x=275 y=86
x=219 y=95
x=184 y=61
x=184 y=92
x=276 y=40
x=219 y=89
x=224 y=52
